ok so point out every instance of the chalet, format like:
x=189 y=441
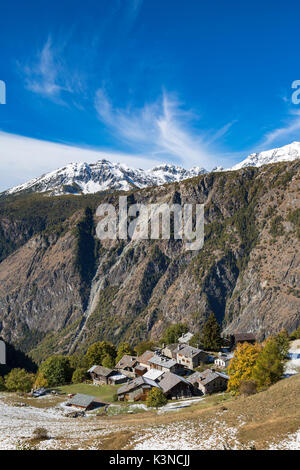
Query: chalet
x=240 y=338
x=190 y=357
x=143 y=360
x=126 y=365
x=222 y=361
x=164 y=364
x=208 y=382
x=174 y=386
x=137 y=389
x=100 y=375
x=85 y=402
x=185 y=338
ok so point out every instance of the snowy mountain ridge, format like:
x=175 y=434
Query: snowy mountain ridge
x=84 y=178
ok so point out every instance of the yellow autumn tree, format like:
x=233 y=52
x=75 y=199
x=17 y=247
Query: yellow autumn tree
x=241 y=366
x=40 y=381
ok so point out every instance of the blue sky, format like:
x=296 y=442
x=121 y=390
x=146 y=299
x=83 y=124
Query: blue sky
x=145 y=81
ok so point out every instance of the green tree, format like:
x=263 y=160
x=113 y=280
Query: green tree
x=196 y=341
x=97 y=352
x=173 y=333
x=40 y=381
x=211 y=334
x=241 y=366
x=143 y=347
x=269 y=365
x=78 y=361
x=2 y=384
x=283 y=342
x=19 y=380
x=57 y=370
x=108 y=362
x=124 y=348
x=295 y=334
x=79 y=376
x=156 y=398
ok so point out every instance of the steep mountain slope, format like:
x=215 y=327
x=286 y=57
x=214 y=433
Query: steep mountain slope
x=61 y=289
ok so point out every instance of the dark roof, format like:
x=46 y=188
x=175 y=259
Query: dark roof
x=135 y=384
x=244 y=337
x=100 y=370
x=81 y=400
x=126 y=361
x=205 y=377
x=170 y=380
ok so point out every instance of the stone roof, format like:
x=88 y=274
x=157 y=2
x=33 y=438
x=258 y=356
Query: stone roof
x=189 y=351
x=205 y=377
x=138 y=382
x=126 y=361
x=144 y=358
x=100 y=370
x=170 y=380
x=81 y=400
x=162 y=361
x=185 y=338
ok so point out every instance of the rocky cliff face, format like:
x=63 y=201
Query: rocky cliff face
x=60 y=290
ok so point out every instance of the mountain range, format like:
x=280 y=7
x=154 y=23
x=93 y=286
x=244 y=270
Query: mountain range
x=61 y=289
x=84 y=178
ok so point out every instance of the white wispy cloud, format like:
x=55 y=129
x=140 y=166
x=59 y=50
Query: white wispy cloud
x=161 y=128
x=49 y=75
x=290 y=130
x=23 y=158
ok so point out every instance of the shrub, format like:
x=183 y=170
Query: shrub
x=40 y=433
x=156 y=398
x=79 y=375
x=248 y=388
x=18 y=380
x=2 y=384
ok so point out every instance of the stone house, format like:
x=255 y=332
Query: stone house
x=164 y=363
x=137 y=389
x=143 y=360
x=222 y=361
x=185 y=338
x=126 y=365
x=190 y=357
x=100 y=375
x=174 y=386
x=208 y=382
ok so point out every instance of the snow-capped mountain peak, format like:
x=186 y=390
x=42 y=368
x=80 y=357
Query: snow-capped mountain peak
x=281 y=154
x=84 y=178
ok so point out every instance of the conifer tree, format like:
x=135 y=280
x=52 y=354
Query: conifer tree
x=211 y=334
x=269 y=365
